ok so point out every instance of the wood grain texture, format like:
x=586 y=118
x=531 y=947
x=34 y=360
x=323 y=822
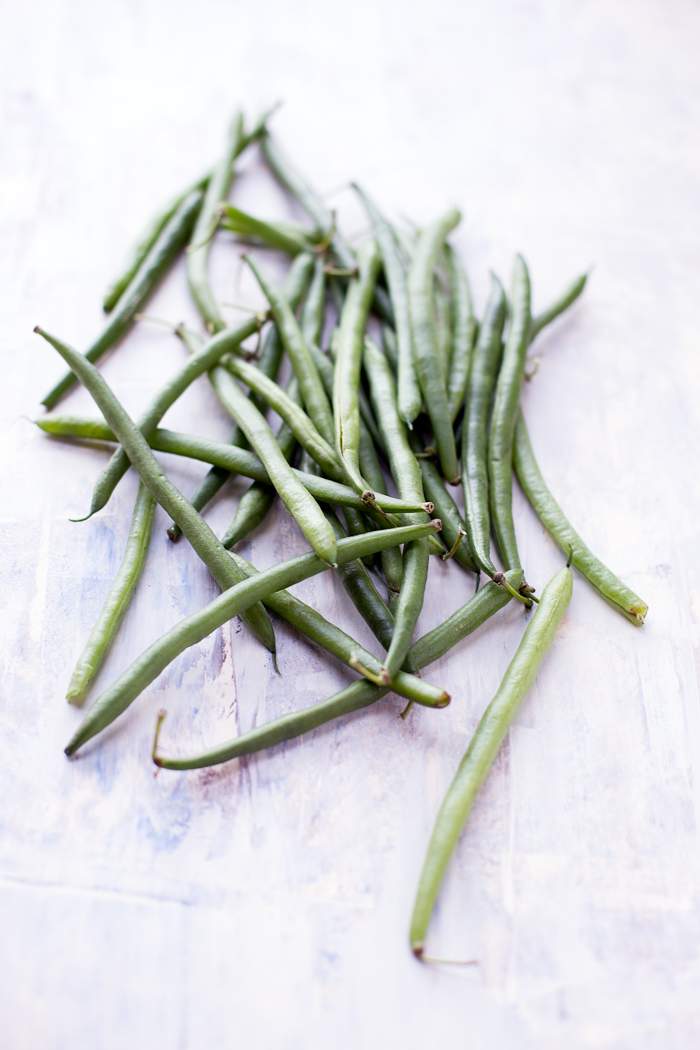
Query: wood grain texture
x=265 y=904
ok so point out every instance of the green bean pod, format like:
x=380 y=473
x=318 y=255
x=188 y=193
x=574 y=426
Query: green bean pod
x=314 y=309
x=443 y=327
x=119 y=596
x=354 y=697
x=146 y=241
x=409 y=482
x=408 y=390
x=503 y=415
x=287 y=237
x=446 y=509
x=569 y=296
x=463 y=331
x=484 y=746
x=420 y=298
x=310 y=382
x=560 y=529
x=156 y=264
x=348 y=365
x=196 y=365
x=482 y=381
x=200 y=536
x=296 y=498
x=115 y=700
x=198 y=252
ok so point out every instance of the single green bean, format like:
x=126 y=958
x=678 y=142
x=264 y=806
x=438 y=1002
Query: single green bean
x=115 y=700
x=484 y=746
x=348 y=365
x=196 y=365
x=297 y=499
x=119 y=596
x=313 y=312
x=569 y=296
x=201 y=537
x=360 y=694
x=446 y=509
x=420 y=298
x=287 y=237
x=557 y=524
x=146 y=242
x=156 y=264
x=482 y=381
x=463 y=331
x=443 y=326
x=505 y=409
x=408 y=389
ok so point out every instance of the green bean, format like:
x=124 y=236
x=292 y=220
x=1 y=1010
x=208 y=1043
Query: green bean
x=443 y=327
x=118 y=598
x=198 y=253
x=409 y=394
x=390 y=347
x=146 y=242
x=115 y=700
x=348 y=365
x=156 y=264
x=361 y=694
x=420 y=298
x=484 y=746
x=446 y=509
x=565 y=300
x=201 y=537
x=287 y=237
x=409 y=482
x=557 y=524
x=313 y=312
x=310 y=383
x=196 y=365
x=297 y=499
x=463 y=331
x=482 y=381
x=505 y=410
x=268 y=363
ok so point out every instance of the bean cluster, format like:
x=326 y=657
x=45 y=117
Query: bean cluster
x=354 y=417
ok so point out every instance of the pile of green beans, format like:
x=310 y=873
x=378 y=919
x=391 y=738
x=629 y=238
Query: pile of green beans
x=436 y=404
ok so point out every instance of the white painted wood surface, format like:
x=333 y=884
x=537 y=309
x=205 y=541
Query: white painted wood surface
x=265 y=904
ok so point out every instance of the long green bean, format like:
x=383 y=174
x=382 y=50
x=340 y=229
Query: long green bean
x=569 y=296
x=119 y=596
x=115 y=700
x=156 y=264
x=557 y=524
x=463 y=331
x=287 y=237
x=484 y=746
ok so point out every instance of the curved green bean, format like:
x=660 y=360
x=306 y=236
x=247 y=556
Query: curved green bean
x=408 y=390
x=484 y=746
x=505 y=409
x=569 y=296
x=119 y=596
x=482 y=381
x=558 y=526
x=156 y=264
x=361 y=694
x=200 y=536
x=115 y=700
x=420 y=297
x=463 y=331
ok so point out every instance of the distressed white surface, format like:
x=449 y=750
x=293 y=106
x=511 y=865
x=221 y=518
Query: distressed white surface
x=265 y=904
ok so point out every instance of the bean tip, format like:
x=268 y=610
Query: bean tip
x=437 y=524
x=443 y=701
x=429 y=507
x=37 y=329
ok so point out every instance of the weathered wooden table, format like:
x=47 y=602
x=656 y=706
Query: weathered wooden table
x=265 y=904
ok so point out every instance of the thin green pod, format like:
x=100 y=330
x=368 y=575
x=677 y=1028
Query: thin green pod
x=198 y=252
x=310 y=383
x=314 y=309
x=484 y=746
x=446 y=509
x=503 y=415
x=408 y=390
x=155 y=266
x=348 y=364
x=296 y=498
x=443 y=326
x=238 y=598
x=407 y=476
x=287 y=237
x=436 y=643
x=463 y=331
x=569 y=296
x=145 y=243
x=482 y=381
x=200 y=536
x=199 y=363
x=420 y=297
x=119 y=596
x=560 y=529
